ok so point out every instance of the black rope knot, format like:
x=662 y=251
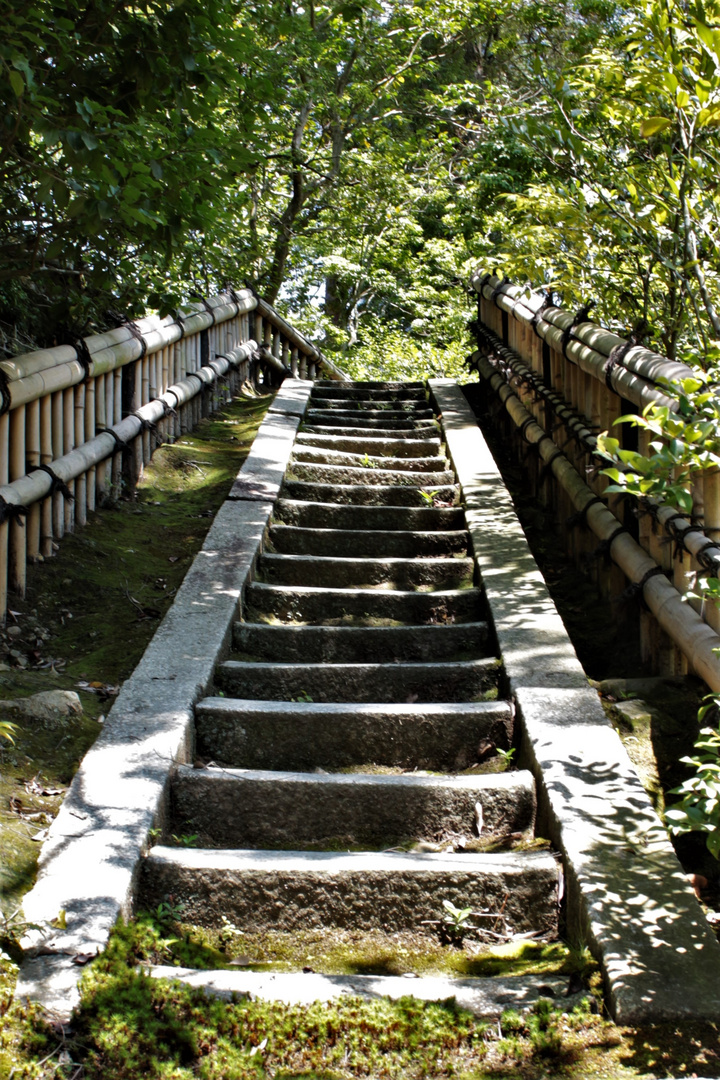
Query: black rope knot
x=121 y=447
x=498 y=288
x=581 y=316
x=57 y=485
x=10 y=511
x=603 y=548
x=580 y=518
x=546 y=303
x=83 y=357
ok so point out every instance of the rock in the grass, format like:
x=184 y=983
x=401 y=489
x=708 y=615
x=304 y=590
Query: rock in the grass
x=51 y=708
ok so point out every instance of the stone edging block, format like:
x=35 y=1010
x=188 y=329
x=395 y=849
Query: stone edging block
x=627 y=895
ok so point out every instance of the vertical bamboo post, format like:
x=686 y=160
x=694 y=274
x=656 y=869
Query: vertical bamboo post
x=81 y=482
x=68 y=445
x=57 y=451
x=32 y=438
x=101 y=414
x=116 y=416
x=46 y=457
x=91 y=475
x=4 y=526
x=17 y=540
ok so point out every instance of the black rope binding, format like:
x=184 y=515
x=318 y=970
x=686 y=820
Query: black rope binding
x=138 y=335
x=504 y=280
x=634 y=590
x=581 y=316
x=603 y=548
x=547 y=466
x=83 y=357
x=546 y=303
x=522 y=430
x=121 y=447
x=180 y=321
x=580 y=518
x=57 y=485
x=10 y=511
x=702 y=557
x=207 y=306
x=4 y=393
x=482 y=283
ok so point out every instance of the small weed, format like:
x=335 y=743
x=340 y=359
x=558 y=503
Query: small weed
x=506 y=755
x=185 y=839
x=367 y=462
x=428 y=497
x=7 y=730
x=302 y=696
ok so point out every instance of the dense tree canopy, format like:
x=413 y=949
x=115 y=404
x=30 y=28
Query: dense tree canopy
x=355 y=160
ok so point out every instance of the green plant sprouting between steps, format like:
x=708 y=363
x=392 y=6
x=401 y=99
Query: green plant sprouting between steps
x=685 y=442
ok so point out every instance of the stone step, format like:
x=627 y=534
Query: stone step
x=367 y=543
x=356 y=644
x=392 y=518
x=276 y=890
x=317 y=418
x=248 y=808
x=312 y=456
x=487 y=998
x=368 y=494
x=388 y=432
x=359 y=474
x=301 y=735
x=356 y=393
x=379 y=406
x=457 y=680
x=387 y=573
x=370 y=384
x=369 y=444
x=308 y=604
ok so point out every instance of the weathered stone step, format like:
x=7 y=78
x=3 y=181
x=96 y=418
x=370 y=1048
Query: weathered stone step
x=308 y=604
x=370 y=384
x=301 y=735
x=385 y=421
x=386 y=573
x=394 y=518
x=275 y=890
x=486 y=997
x=312 y=456
x=367 y=543
x=369 y=444
x=388 y=432
x=374 y=406
x=458 y=680
x=356 y=644
x=247 y=808
x=367 y=494
x=359 y=474
x=357 y=393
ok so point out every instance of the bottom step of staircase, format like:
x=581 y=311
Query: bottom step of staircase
x=291 y=890
x=487 y=997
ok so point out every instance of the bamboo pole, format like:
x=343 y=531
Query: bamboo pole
x=91 y=474
x=80 y=483
x=17 y=540
x=58 y=516
x=68 y=443
x=32 y=422
x=4 y=525
x=46 y=458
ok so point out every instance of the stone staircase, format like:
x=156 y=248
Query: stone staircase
x=347 y=769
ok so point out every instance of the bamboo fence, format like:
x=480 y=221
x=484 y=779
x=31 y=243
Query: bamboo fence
x=78 y=420
x=561 y=379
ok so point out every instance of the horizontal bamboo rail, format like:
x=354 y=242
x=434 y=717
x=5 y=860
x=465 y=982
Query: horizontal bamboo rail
x=573 y=378
x=77 y=421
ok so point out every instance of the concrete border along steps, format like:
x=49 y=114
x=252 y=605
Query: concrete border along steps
x=356 y=648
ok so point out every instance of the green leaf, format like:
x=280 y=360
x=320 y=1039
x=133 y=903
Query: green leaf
x=17 y=83
x=653 y=125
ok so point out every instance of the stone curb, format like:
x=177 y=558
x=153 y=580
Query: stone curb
x=88 y=865
x=627 y=895
x=487 y=997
